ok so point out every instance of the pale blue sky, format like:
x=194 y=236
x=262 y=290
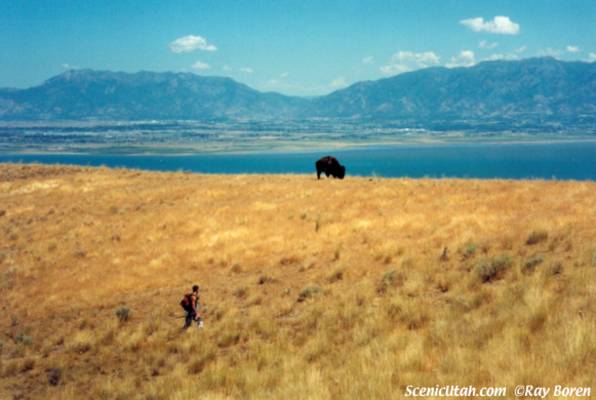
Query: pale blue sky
x=294 y=47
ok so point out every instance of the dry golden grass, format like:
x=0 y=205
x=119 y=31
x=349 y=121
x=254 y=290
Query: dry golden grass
x=315 y=289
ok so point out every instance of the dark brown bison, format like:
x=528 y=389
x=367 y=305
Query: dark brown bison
x=330 y=166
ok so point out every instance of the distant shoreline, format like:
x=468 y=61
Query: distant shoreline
x=176 y=150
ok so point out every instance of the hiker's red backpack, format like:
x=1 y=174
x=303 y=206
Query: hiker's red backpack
x=186 y=301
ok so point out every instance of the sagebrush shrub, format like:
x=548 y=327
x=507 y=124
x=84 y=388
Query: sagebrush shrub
x=123 y=314
x=491 y=269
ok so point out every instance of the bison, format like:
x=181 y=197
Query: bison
x=330 y=166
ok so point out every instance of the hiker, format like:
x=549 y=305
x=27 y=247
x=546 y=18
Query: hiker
x=190 y=303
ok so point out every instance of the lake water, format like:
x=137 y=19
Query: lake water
x=576 y=160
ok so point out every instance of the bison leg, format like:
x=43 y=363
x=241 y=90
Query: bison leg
x=319 y=167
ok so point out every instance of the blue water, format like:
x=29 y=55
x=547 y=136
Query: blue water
x=512 y=161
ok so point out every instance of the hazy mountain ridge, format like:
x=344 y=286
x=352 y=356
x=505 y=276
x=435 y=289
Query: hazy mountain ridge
x=79 y=94
x=534 y=87
x=538 y=89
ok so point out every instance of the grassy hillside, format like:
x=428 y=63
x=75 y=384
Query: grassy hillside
x=324 y=289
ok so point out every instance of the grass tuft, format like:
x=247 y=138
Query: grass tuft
x=536 y=237
x=241 y=292
x=27 y=365
x=336 y=275
x=390 y=279
x=530 y=265
x=263 y=279
x=54 y=376
x=468 y=251
x=309 y=292
x=23 y=339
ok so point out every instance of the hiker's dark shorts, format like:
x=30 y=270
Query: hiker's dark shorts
x=190 y=316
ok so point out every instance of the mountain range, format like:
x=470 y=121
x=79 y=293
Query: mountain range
x=537 y=89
